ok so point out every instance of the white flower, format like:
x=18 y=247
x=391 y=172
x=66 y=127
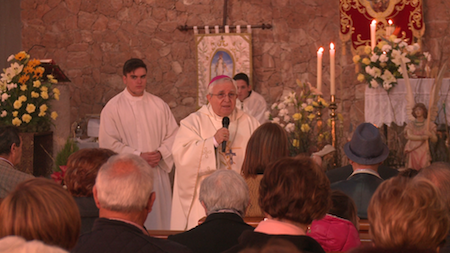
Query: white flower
x=386 y=48
x=281 y=125
x=290 y=127
x=397 y=57
x=397 y=41
x=411 y=67
x=388 y=77
x=5 y=96
x=402 y=44
x=374 y=58
x=276 y=120
x=376 y=72
x=282 y=112
x=416 y=46
x=410 y=48
x=383 y=58
x=427 y=56
x=10 y=58
x=368 y=70
x=11 y=86
x=387 y=86
x=274 y=106
x=281 y=106
x=267 y=115
x=286 y=118
x=16 y=67
x=374 y=83
x=309 y=101
x=304 y=105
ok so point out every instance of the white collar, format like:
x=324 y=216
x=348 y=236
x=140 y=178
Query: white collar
x=365 y=171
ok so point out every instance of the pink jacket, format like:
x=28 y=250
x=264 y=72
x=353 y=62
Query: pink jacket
x=335 y=234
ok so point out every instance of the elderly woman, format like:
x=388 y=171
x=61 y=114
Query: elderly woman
x=408 y=213
x=267 y=144
x=82 y=169
x=40 y=209
x=293 y=192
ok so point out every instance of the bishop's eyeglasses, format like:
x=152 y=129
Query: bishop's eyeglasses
x=223 y=95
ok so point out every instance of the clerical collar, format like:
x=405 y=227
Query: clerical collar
x=6 y=160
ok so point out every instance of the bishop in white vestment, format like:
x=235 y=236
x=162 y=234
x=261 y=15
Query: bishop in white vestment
x=197 y=150
x=135 y=121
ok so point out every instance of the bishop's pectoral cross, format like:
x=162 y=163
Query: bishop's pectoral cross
x=230 y=154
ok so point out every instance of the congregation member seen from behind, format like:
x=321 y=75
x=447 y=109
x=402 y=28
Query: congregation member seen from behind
x=224 y=195
x=267 y=144
x=408 y=213
x=82 y=169
x=123 y=193
x=337 y=231
x=293 y=192
x=40 y=209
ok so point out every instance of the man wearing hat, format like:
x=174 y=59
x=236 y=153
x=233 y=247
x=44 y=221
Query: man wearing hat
x=366 y=151
x=205 y=143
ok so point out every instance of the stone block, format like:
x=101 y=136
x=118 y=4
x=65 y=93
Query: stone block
x=56 y=14
x=147 y=25
x=109 y=8
x=86 y=20
x=101 y=24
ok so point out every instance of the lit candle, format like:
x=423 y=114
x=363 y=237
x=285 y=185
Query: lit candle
x=373 y=39
x=319 y=69
x=332 y=69
x=389 y=28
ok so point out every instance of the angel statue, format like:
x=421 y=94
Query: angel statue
x=417 y=149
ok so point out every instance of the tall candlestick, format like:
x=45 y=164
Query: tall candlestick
x=389 y=28
x=373 y=35
x=319 y=69
x=332 y=70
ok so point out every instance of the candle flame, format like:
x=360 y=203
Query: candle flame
x=390 y=22
x=331 y=45
x=374 y=22
x=320 y=50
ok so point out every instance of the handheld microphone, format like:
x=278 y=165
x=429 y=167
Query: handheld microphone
x=225 y=123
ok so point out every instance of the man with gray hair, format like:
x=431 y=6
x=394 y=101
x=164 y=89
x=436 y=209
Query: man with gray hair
x=123 y=193
x=439 y=174
x=224 y=196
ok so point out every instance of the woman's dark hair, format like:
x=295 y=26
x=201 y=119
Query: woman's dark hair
x=343 y=206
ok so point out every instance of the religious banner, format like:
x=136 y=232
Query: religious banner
x=221 y=54
x=406 y=18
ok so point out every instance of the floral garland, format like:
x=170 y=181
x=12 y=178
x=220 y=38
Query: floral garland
x=26 y=94
x=381 y=67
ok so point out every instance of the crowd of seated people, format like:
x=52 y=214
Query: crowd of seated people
x=108 y=197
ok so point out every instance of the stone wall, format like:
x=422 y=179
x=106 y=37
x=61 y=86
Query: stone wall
x=91 y=39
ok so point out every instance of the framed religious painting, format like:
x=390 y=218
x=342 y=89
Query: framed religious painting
x=403 y=18
x=221 y=54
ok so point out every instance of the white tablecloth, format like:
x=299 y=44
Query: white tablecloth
x=381 y=108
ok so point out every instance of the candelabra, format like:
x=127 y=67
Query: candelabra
x=319 y=114
x=333 y=108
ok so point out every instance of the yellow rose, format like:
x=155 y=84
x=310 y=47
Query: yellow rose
x=295 y=143
x=44 y=95
x=16 y=122
x=37 y=84
x=297 y=116
x=14 y=114
x=23 y=87
x=54 y=115
x=305 y=128
x=381 y=44
x=392 y=37
x=34 y=94
x=315 y=104
x=23 y=98
x=366 y=61
x=44 y=88
x=43 y=108
x=26 y=118
x=30 y=109
x=57 y=96
x=311 y=116
x=17 y=104
x=41 y=114
x=356 y=58
x=56 y=91
x=309 y=108
x=360 y=77
x=54 y=81
x=367 y=50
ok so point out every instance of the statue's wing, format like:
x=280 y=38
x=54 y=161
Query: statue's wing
x=434 y=96
x=409 y=94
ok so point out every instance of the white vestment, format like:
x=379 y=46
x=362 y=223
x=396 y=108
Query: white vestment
x=143 y=124
x=255 y=105
x=196 y=157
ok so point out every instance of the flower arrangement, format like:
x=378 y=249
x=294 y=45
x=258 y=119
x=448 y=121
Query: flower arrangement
x=26 y=94
x=382 y=67
x=297 y=113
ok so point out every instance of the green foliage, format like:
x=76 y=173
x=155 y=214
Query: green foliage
x=69 y=148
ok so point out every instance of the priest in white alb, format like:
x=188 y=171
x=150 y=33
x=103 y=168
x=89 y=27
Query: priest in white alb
x=135 y=121
x=197 y=150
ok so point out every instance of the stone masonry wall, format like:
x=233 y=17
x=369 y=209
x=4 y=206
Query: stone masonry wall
x=91 y=39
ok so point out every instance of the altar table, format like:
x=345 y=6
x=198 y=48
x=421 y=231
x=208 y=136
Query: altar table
x=383 y=108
